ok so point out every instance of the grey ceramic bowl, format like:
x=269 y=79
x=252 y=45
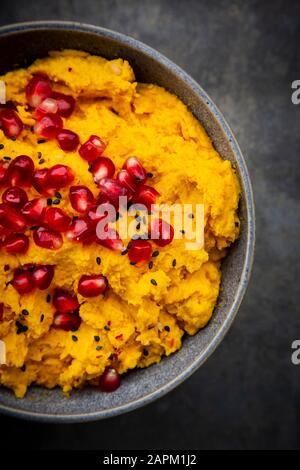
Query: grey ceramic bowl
x=20 y=44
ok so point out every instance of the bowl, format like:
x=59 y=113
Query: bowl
x=20 y=45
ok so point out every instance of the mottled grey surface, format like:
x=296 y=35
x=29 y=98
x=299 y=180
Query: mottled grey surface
x=245 y=54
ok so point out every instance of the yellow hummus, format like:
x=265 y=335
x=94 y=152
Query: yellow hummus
x=133 y=119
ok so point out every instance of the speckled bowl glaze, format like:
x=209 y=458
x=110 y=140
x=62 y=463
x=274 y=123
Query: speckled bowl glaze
x=20 y=45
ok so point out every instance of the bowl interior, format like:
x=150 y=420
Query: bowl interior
x=20 y=46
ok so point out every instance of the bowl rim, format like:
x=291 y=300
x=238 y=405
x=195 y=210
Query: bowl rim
x=249 y=203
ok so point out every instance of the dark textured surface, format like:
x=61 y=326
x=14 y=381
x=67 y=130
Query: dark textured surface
x=245 y=54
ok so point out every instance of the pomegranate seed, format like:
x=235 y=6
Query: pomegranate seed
x=161 y=233
x=39 y=180
x=65 y=104
x=1 y=311
x=59 y=176
x=15 y=197
x=93 y=285
x=135 y=169
x=16 y=243
x=11 y=219
x=10 y=123
x=64 y=302
x=47 y=238
x=101 y=168
x=68 y=140
x=49 y=105
x=81 y=198
x=57 y=219
x=127 y=180
x=81 y=229
x=113 y=190
x=110 y=380
x=42 y=276
x=4 y=232
x=3 y=172
x=34 y=210
x=92 y=148
x=146 y=195
x=22 y=281
x=37 y=90
x=66 y=321
x=20 y=171
x=112 y=240
x=48 y=126
x=140 y=251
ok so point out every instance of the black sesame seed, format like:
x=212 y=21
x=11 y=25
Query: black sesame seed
x=49 y=202
x=174 y=263
x=236 y=224
x=42 y=318
x=41 y=161
x=133 y=263
x=1 y=146
x=98 y=260
x=97 y=339
x=98 y=348
x=191 y=216
x=167 y=328
x=74 y=338
x=25 y=312
x=23 y=368
x=138 y=226
x=21 y=328
x=155 y=253
x=7 y=158
x=153 y=282
x=56 y=201
x=41 y=141
x=107 y=328
x=48 y=298
x=124 y=252
x=39 y=154
x=145 y=352
x=58 y=195
x=150 y=265
x=13 y=138
x=150 y=175
x=6 y=267
x=182 y=231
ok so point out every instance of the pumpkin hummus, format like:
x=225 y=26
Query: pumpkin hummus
x=137 y=321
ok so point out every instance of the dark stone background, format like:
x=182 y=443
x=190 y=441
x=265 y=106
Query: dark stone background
x=245 y=54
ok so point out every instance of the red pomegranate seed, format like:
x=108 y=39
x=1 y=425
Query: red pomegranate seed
x=127 y=180
x=22 y=281
x=11 y=218
x=48 y=126
x=93 y=285
x=110 y=380
x=39 y=182
x=113 y=190
x=57 y=219
x=135 y=169
x=65 y=104
x=161 y=232
x=81 y=198
x=20 y=171
x=146 y=195
x=64 y=302
x=4 y=232
x=37 y=90
x=34 y=210
x=101 y=168
x=1 y=311
x=66 y=321
x=47 y=238
x=59 y=176
x=10 y=123
x=3 y=172
x=80 y=230
x=92 y=148
x=49 y=105
x=68 y=140
x=112 y=240
x=42 y=276
x=15 y=197
x=139 y=251
x=16 y=243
